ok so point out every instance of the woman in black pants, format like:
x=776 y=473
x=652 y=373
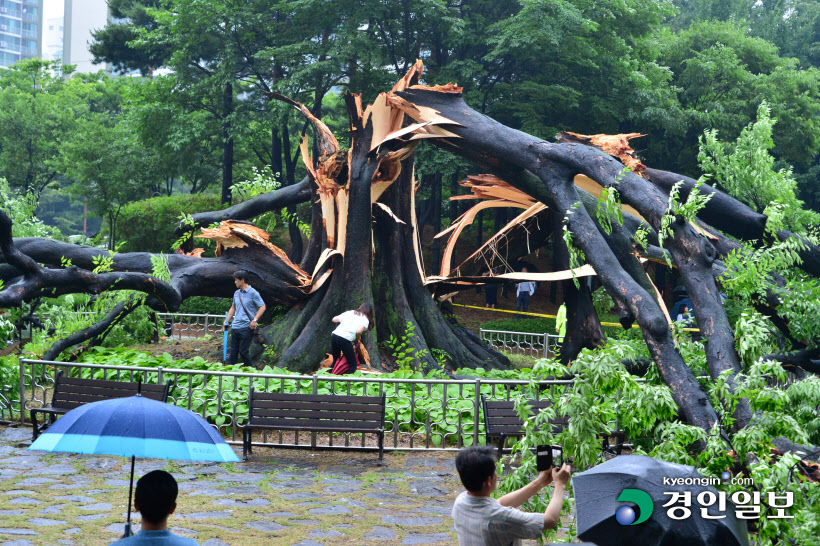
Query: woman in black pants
x=351 y=324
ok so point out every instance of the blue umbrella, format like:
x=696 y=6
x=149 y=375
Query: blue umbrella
x=136 y=427
x=225 y=340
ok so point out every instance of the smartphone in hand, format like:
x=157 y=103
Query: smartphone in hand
x=547 y=457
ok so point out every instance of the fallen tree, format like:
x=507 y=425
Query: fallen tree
x=364 y=244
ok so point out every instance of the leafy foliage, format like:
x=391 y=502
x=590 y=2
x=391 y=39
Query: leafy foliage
x=745 y=169
x=407 y=357
x=21 y=212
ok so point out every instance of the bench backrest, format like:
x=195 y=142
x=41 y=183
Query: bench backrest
x=312 y=410
x=73 y=392
x=500 y=417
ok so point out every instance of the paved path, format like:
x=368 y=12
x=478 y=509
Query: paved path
x=289 y=497
x=294 y=497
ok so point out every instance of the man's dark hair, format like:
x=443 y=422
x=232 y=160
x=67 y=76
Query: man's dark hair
x=475 y=464
x=155 y=495
x=241 y=275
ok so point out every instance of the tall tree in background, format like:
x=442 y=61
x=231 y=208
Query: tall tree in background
x=720 y=75
x=38 y=110
x=109 y=168
x=113 y=43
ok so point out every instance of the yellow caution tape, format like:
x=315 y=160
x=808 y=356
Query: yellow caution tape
x=616 y=324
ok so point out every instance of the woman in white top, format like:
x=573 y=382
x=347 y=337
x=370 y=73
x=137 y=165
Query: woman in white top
x=351 y=324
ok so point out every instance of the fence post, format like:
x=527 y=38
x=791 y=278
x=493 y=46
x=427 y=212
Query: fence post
x=315 y=391
x=22 y=390
x=476 y=408
x=160 y=377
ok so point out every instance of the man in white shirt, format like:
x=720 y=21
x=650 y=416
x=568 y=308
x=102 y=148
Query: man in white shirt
x=480 y=520
x=523 y=292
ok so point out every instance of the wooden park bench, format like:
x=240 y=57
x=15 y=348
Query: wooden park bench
x=314 y=413
x=502 y=421
x=73 y=392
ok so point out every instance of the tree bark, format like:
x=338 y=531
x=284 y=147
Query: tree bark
x=584 y=329
x=227 y=143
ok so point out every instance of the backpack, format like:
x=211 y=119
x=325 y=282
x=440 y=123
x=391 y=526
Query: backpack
x=342 y=366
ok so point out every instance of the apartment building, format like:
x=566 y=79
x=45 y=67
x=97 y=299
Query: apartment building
x=21 y=30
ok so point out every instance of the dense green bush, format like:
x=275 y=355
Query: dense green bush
x=542 y=325
x=149 y=225
x=205 y=305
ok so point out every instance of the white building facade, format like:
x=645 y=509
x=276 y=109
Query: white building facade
x=81 y=18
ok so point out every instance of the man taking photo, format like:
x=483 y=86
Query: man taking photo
x=480 y=520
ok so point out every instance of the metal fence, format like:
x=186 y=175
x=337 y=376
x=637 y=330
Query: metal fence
x=522 y=343
x=421 y=413
x=175 y=325
x=191 y=326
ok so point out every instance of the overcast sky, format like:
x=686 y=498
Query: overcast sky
x=53 y=8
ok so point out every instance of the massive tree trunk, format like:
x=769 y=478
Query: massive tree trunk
x=584 y=329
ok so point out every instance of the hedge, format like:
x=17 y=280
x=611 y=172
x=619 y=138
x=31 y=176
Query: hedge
x=148 y=225
x=547 y=325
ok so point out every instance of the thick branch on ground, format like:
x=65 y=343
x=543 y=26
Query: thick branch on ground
x=486 y=138
x=96 y=331
x=692 y=253
x=38 y=280
x=191 y=276
x=272 y=200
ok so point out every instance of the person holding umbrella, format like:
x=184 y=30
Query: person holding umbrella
x=156 y=499
x=136 y=427
x=480 y=520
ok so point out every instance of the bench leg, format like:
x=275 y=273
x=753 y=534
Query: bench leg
x=35 y=430
x=245 y=437
x=381 y=449
x=501 y=440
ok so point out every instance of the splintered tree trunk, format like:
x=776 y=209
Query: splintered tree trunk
x=436 y=217
x=398 y=283
x=367 y=205
x=404 y=307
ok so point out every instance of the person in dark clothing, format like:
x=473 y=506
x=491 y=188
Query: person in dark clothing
x=156 y=499
x=351 y=325
x=243 y=317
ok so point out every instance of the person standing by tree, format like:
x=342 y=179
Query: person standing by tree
x=243 y=317
x=523 y=292
x=351 y=325
x=561 y=322
x=490 y=290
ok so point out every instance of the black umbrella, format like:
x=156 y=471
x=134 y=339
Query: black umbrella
x=644 y=519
